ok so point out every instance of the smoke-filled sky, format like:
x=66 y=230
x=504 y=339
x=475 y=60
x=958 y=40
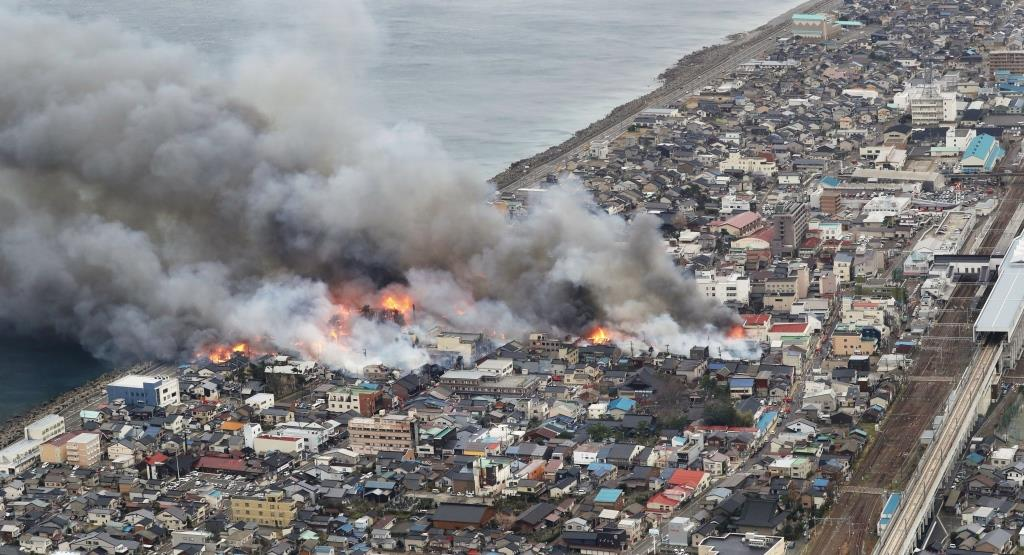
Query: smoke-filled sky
x=154 y=203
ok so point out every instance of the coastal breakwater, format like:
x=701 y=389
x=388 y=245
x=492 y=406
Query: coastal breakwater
x=690 y=72
x=67 y=404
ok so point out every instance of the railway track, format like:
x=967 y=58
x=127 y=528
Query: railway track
x=902 y=532
x=892 y=459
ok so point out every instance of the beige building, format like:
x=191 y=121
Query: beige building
x=461 y=344
x=74 y=448
x=84 y=450
x=353 y=399
x=393 y=432
x=849 y=342
x=271 y=509
x=1009 y=60
x=736 y=162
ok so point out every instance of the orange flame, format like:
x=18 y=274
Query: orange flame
x=600 y=337
x=220 y=354
x=401 y=303
x=736 y=333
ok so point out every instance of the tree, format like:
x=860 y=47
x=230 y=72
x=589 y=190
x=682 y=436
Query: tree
x=676 y=423
x=600 y=432
x=723 y=413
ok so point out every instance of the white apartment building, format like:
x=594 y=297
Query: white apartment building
x=496 y=366
x=732 y=204
x=928 y=104
x=734 y=287
x=19 y=456
x=46 y=428
x=736 y=162
x=261 y=401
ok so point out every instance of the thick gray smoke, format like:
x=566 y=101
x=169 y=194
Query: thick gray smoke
x=153 y=203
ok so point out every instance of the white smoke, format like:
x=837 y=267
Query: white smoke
x=155 y=203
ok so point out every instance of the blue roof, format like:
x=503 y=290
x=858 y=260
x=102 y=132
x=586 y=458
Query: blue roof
x=985 y=148
x=766 y=419
x=600 y=469
x=820 y=483
x=829 y=181
x=608 y=495
x=621 y=403
x=741 y=382
x=808 y=17
x=980 y=146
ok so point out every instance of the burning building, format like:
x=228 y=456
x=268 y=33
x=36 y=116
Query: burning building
x=155 y=205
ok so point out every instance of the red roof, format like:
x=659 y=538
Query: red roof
x=157 y=458
x=743 y=219
x=221 y=463
x=662 y=499
x=799 y=327
x=710 y=428
x=755 y=319
x=764 y=234
x=683 y=477
x=810 y=243
x=282 y=438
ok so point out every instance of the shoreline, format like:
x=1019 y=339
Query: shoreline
x=12 y=429
x=706 y=62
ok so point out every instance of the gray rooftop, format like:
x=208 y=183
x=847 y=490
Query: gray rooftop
x=1005 y=305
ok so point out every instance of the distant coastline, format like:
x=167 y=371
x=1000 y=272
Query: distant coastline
x=688 y=66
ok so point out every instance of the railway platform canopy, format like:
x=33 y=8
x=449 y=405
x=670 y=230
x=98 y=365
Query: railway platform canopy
x=1003 y=311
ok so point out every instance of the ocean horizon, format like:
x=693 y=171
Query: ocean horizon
x=493 y=82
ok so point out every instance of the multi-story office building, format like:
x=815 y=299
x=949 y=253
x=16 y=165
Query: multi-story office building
x=393 y=432
x=1011 y=61
x=144 y=391
x=74 y=448
x=359 y=399
x=273 y=509
x=790 y=222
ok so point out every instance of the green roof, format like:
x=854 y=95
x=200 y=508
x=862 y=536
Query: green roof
x=808 y=17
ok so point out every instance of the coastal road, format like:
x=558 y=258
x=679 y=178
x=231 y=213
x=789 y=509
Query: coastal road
x=745 y=51
x=96 y=395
